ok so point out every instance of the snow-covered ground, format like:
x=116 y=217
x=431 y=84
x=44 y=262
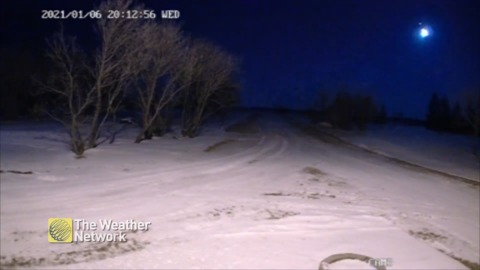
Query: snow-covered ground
x=276 y=199
x=454 y=154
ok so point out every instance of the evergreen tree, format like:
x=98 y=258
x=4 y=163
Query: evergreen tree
x=434 y=112
x=444 y=117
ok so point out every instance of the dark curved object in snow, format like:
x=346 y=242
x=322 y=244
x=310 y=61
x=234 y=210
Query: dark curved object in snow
x=348 y=256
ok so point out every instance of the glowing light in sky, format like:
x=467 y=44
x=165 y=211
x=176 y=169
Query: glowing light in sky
x=424 y=31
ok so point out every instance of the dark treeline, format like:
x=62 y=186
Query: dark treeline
x=350 y=109
x=462 y=116
x=17 y=67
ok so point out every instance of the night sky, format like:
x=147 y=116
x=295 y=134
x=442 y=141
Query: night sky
x=291 y=49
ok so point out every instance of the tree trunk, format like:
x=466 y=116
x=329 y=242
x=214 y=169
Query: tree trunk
x=148 y=133
x=92 y=143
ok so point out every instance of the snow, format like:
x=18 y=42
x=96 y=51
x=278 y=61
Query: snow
x=277 y=199
x=439 y=151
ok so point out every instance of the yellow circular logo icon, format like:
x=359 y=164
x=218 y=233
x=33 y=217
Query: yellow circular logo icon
x=60 y=230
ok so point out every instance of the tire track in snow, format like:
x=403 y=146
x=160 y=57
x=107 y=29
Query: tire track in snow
x=333 y=139
x=268 y=146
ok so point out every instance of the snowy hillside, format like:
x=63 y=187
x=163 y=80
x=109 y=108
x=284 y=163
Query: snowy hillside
x=454 y=154
x=267 y=194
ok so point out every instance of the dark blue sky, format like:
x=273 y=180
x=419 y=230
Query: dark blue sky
x=291 y=49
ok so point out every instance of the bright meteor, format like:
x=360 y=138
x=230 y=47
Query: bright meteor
x=424 y=31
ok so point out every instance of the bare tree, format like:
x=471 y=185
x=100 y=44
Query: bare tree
x=114 y=67
x=68 y=88
x=210 y=72
x=158 y=83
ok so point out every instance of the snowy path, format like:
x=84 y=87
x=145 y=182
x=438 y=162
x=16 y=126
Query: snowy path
x=278 y=199
x=442 y=152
